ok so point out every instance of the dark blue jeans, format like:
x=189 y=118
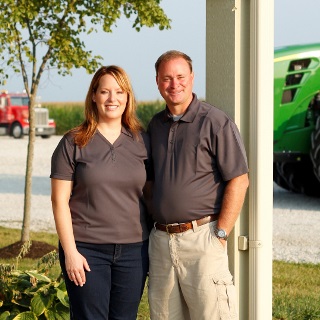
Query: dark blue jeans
x=115 y=284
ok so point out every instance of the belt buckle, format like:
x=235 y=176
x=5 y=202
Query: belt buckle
x=170 y=225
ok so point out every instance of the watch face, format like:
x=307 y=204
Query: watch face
x=221 y=233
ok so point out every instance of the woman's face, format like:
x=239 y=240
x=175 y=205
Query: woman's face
x=110 y=99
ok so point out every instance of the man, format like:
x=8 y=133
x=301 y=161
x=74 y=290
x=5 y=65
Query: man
x=200 y=184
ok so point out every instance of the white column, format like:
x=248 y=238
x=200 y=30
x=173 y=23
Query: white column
x=239 y=75
x=261 y=159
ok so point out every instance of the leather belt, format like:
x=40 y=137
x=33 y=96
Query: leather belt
x=182 y=227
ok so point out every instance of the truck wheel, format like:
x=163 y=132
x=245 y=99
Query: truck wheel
x=16 y=131
x=45 y=137
x=300 y=177
x=315 y=149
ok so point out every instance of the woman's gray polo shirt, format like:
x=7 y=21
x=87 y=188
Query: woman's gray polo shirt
x=106 y=200
x=193 y=159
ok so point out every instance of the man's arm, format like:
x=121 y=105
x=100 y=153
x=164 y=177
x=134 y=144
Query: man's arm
x=232 y=203
x=147 y=195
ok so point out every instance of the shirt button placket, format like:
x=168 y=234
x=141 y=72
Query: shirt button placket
x=171 y=138
x=113 y=154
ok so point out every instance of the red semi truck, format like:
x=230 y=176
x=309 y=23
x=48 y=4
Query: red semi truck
x=14 y=116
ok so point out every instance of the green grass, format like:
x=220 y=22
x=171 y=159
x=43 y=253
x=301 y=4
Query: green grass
x=296 y=291
x=296 y=286
x=9 y=236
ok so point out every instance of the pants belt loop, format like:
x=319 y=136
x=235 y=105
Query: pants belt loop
x=194 y=225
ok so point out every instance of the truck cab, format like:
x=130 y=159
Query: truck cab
x=14 y=116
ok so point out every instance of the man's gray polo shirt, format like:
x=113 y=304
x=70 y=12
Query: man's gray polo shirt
x=193 y=159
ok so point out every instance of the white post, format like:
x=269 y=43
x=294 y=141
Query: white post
x=261 y=159
x=239 y=74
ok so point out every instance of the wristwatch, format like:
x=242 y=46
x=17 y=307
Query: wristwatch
x=220 y=233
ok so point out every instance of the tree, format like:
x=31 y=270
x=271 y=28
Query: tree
x=36 y=36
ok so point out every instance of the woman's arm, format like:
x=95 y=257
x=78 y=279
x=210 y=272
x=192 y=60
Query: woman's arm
x=76 y=264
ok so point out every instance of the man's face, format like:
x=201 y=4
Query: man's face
x=175 y=83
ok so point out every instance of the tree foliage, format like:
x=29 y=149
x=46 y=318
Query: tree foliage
x=53 y=28
x=39 y=35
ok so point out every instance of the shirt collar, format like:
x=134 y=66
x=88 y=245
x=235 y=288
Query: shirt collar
x=190 y=113
x=126 y=132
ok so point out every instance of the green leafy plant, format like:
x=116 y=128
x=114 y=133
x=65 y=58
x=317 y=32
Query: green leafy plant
x=32 y=294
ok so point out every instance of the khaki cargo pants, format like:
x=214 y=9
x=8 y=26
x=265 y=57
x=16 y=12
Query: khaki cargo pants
x=189 y=277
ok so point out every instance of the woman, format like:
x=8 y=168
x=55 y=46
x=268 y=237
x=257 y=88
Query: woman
x=98 y=173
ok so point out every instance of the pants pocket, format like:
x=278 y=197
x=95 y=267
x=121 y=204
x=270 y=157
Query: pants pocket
x=226 y=296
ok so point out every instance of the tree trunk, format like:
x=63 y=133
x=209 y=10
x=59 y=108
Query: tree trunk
x=25 y=232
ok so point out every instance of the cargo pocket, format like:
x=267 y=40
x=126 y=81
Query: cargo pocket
x=226 y=296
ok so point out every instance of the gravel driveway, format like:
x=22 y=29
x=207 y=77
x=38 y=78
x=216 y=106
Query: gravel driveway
x=296 y=218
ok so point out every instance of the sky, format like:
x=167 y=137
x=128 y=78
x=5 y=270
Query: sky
x=296 y=22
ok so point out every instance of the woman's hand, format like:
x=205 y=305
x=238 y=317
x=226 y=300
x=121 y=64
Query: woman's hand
x=76 y=265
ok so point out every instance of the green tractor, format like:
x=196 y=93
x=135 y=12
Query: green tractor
x=296 y=142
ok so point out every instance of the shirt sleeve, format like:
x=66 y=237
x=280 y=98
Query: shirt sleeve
x=63 y=161
x=230 y=152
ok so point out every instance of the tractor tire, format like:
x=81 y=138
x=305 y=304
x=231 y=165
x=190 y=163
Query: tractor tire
x=277 y=177
x=300 y=177
x=16 y=131
x=315 y=149
x=287 y=173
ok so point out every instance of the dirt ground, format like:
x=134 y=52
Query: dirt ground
x=37 y=250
